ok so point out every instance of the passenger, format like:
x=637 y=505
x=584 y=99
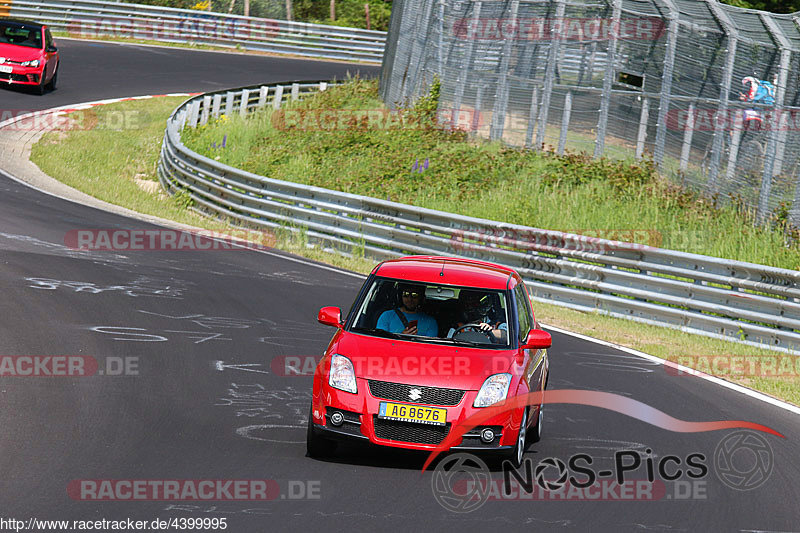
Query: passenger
x=409 y=318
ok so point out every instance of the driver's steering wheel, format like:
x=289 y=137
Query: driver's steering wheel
x=473 y=326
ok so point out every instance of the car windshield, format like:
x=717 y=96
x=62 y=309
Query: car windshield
x=21 y=35
x=433 y=313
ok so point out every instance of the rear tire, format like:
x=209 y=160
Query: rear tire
x=317 y=446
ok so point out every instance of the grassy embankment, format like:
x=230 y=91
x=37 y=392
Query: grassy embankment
x=474 y=178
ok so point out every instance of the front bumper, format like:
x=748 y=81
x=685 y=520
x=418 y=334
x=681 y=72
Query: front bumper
x=22 y=75
x=360 y=421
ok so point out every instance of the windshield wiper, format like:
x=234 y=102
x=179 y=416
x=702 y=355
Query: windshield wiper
x=469 y=343
x=379 y=332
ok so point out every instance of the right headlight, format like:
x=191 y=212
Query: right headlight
x=493 y=390
x=342 y=376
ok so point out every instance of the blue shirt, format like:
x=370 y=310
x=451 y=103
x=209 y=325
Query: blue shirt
x=426 y=325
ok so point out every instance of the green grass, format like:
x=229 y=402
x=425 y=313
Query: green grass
x=105 y=163
x=567 y=193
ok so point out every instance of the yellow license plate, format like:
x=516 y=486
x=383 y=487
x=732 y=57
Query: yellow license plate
x=413 y=413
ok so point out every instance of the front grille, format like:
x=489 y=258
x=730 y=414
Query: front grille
x=400 y=392
x=14 y=77
x=409 y=431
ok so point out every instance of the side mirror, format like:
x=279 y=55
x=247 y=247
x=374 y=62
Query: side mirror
x=331 y=316
x=52 y=49
x=537 y=339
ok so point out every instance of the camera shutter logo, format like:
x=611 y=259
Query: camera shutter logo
x=744 y=460
x=550 y=484
x=455 y=470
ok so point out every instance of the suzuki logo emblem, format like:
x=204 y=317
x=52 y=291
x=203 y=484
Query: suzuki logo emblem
x=414 y=394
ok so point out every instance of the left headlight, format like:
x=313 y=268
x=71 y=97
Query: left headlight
x=493 y=390
x=342 y=376
x=34 y=63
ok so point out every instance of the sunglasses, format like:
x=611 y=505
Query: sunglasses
x=410 y=294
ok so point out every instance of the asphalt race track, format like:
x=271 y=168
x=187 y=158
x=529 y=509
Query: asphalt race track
x=205 y=401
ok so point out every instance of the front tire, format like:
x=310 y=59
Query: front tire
x=516 y=454
x=317 y=446
x=536 y=434
x=52 y=84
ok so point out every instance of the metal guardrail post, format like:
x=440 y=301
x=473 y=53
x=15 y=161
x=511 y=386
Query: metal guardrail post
x=277 y=99
x=263 y=92
x=205 y=110
x=295 y=91
x=550 y=72
x=605 y=99
x=641 y=135
x=229 y=103
x=562 y=139
x=194 y=112
x=666 y=82
x=216 y=105
x=243 y=103
x=732 y=38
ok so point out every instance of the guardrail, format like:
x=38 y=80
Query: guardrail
x=90 y=18
x=753 y=304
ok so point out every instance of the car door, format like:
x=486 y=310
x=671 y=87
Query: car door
x=532 y=359
x=51 y=56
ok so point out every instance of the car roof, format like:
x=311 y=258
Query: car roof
x=447 y=271
x=20 y=22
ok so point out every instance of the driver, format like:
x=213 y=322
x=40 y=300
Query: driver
x=476 y=306
x=409 y=318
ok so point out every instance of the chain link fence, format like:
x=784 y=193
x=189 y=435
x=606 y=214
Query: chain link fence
x=661 y=79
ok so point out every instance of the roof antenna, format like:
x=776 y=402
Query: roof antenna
x=442 y=271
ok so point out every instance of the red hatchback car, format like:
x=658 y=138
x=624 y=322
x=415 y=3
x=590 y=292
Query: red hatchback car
x=429 y=342
x=28 y=55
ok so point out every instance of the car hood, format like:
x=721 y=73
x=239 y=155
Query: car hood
x=19 y=53
x=418 y=363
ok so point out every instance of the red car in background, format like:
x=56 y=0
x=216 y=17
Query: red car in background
x=467 y=339
x=28 y=55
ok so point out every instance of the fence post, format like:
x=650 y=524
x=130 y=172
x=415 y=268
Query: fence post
x=194 y=111
x=666 y=83
x=687 y=138
x=295 y=91
x=463 y=73
x=501 y=101
x=549 y=74
x=642 y=134
x=605 y=99
x=732 y=38
x=532 y=118
x=562 y=139
x=263 y=92
x=476 y=116
x=773 y=158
